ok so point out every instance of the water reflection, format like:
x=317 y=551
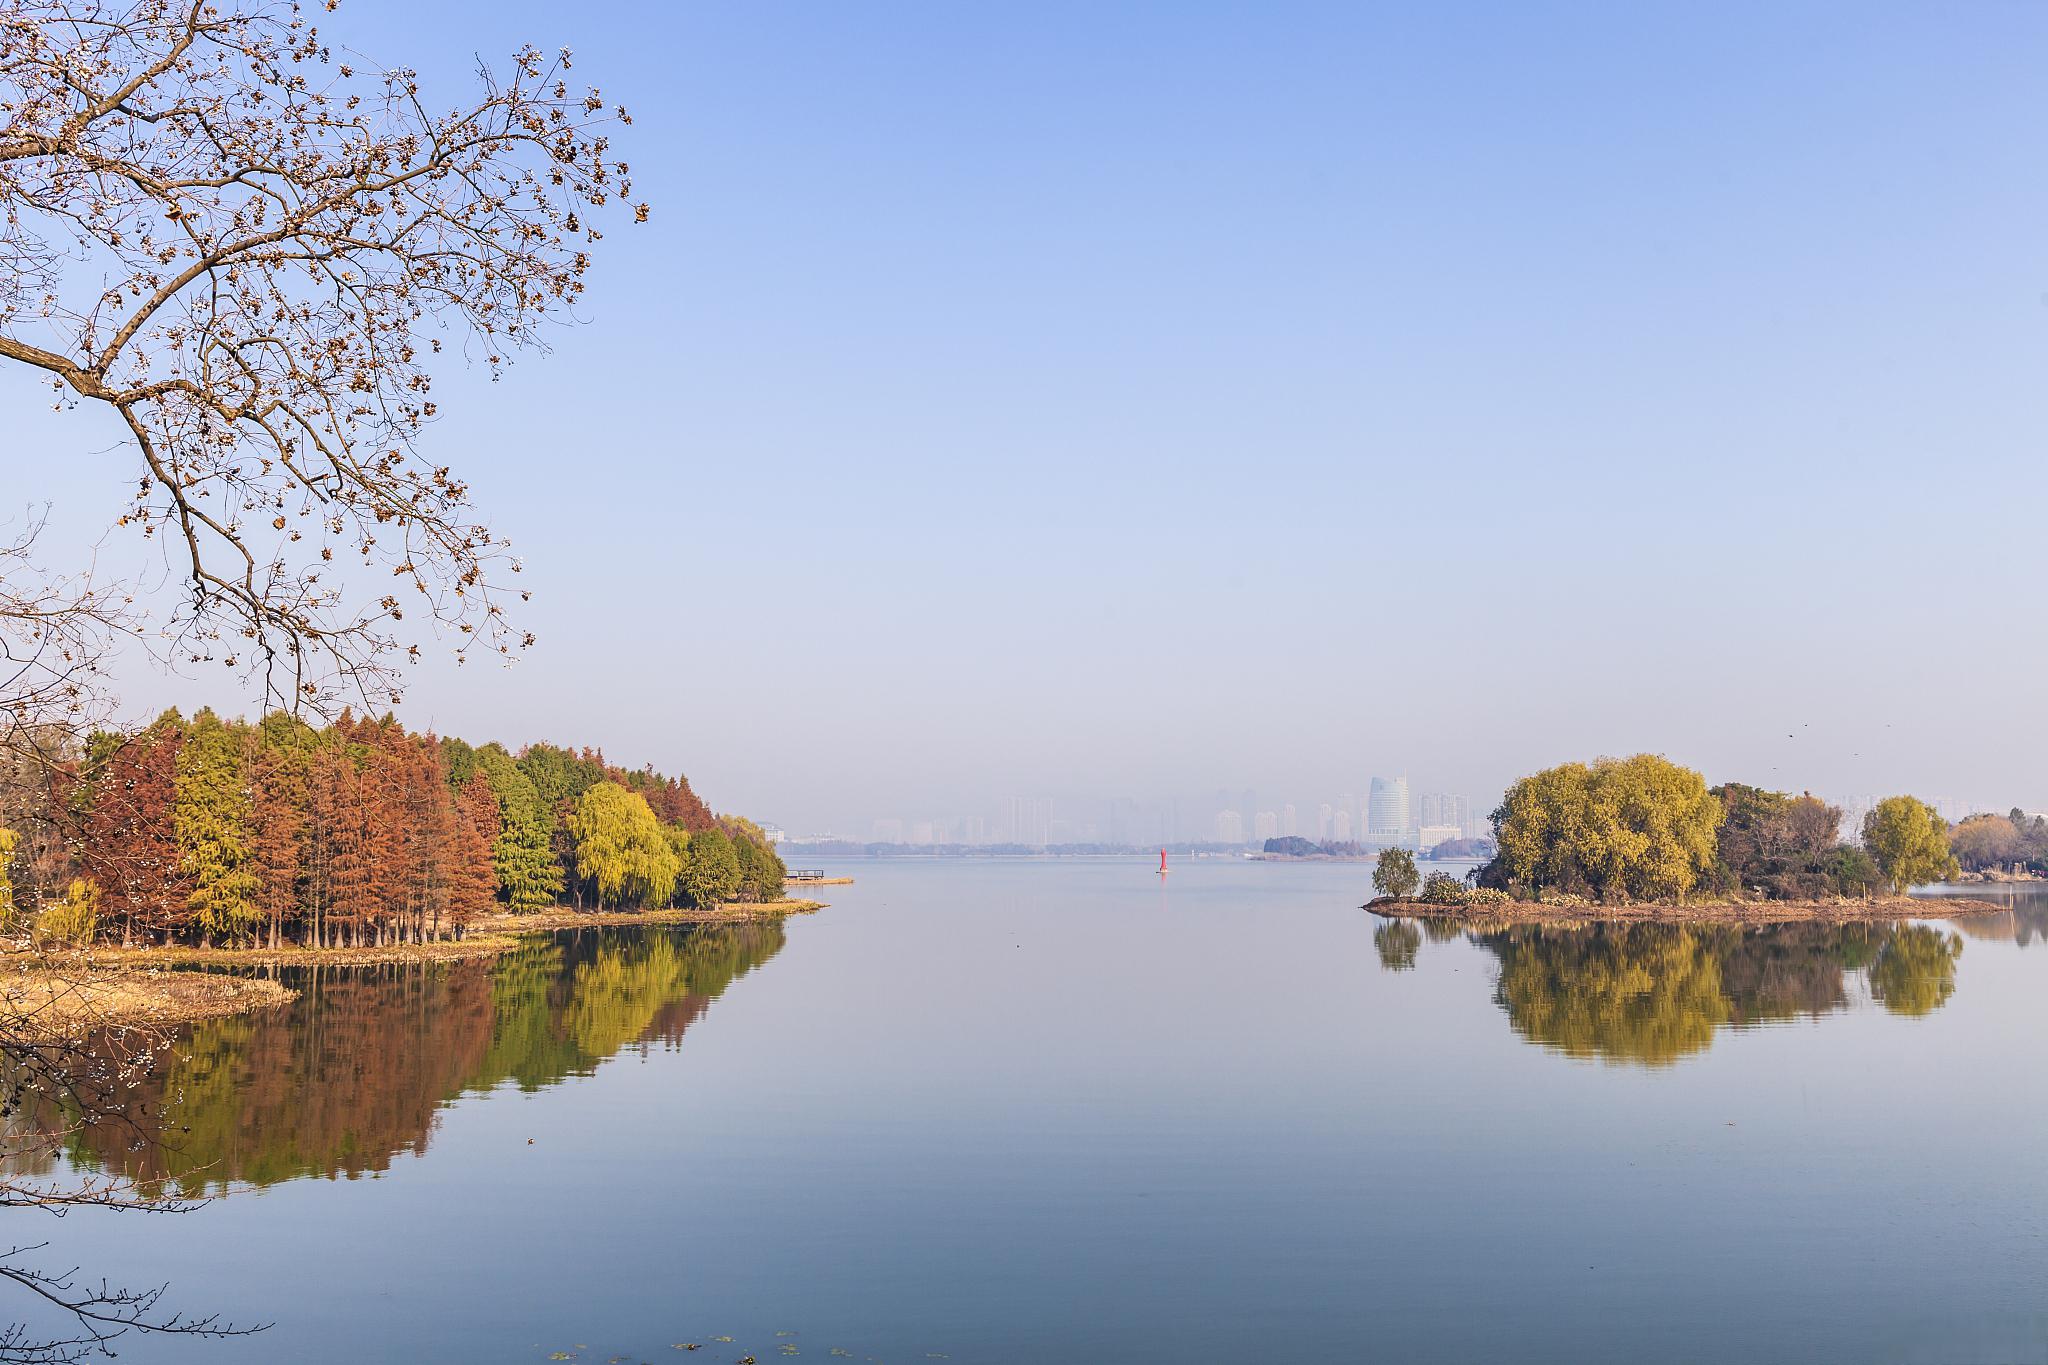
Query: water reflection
x=1398 y=942
x=2024 y=921
x=355 y=1070
x=1650 y=994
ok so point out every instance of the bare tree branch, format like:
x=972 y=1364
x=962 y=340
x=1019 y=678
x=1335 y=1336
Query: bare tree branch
x=253 y=252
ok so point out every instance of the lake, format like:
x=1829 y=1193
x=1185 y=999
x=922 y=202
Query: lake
x=1018 y=1110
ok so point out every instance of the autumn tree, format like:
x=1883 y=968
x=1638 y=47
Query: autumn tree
x=670 y=798
x=279 y=803
x=1909 y=842
x=1782 y=846
x=473 y=882
x=129 y=840
x=1987 y=841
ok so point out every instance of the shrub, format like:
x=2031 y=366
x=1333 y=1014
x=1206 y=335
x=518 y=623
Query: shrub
x=1441 y=888
x=76 y=918
x=1487 y=895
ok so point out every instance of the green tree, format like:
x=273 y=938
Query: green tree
x=713 y=874
x=210 y=815
x=761 y=871
x=621 y=848
x=1909 y=842
x=529 y=877
x=1394 y=874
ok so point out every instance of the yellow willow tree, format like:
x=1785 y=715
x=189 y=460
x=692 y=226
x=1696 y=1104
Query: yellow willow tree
x=1909 y=841
x=246 y=249
x=1640 y=828
x=621 y=849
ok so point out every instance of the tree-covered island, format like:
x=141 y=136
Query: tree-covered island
x=1646 y=837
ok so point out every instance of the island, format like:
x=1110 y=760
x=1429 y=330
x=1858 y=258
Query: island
x=1645 y=839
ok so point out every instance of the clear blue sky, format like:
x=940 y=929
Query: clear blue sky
x=1144 y=399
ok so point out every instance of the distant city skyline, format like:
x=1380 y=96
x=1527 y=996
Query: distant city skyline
x=1245 y=817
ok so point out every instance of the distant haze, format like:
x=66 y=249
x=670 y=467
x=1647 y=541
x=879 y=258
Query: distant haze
x=1146 y=402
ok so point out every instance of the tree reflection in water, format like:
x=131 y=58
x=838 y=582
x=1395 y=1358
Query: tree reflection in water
x=1398 y=942
x=355 y=1070
x=1650 y=994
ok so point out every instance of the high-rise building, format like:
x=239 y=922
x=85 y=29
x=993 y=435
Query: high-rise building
x=1323 y=824
x=1030 y=820
x=1429 y=836
x=1287 y=821
x=1443 y=808
x=1265 y=825
x=1340 y=828
x=1229 y=827
x=1387 y=814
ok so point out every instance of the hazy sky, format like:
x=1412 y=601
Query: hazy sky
x=1137 y=400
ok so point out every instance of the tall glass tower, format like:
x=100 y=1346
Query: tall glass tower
x=1387 y=809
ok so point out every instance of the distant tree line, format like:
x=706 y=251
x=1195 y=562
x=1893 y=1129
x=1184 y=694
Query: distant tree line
x=213 y=831
x=2015 y=842
x=1644 y=828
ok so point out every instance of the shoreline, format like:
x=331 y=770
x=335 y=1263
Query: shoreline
x=59 y=1002
x=1877 y=908
x=70 y=991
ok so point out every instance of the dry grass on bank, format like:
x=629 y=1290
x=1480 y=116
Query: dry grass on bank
x=567 y=917
x=1832 y=911
x=58 y=999
x=68 y=992
x=487 y=937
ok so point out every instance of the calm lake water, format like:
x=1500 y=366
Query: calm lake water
x=994 y=1111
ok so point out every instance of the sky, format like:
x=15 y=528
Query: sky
x=1093 y=401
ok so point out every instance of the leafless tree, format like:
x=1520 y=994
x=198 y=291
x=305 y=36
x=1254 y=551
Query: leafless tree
x=251 y=250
